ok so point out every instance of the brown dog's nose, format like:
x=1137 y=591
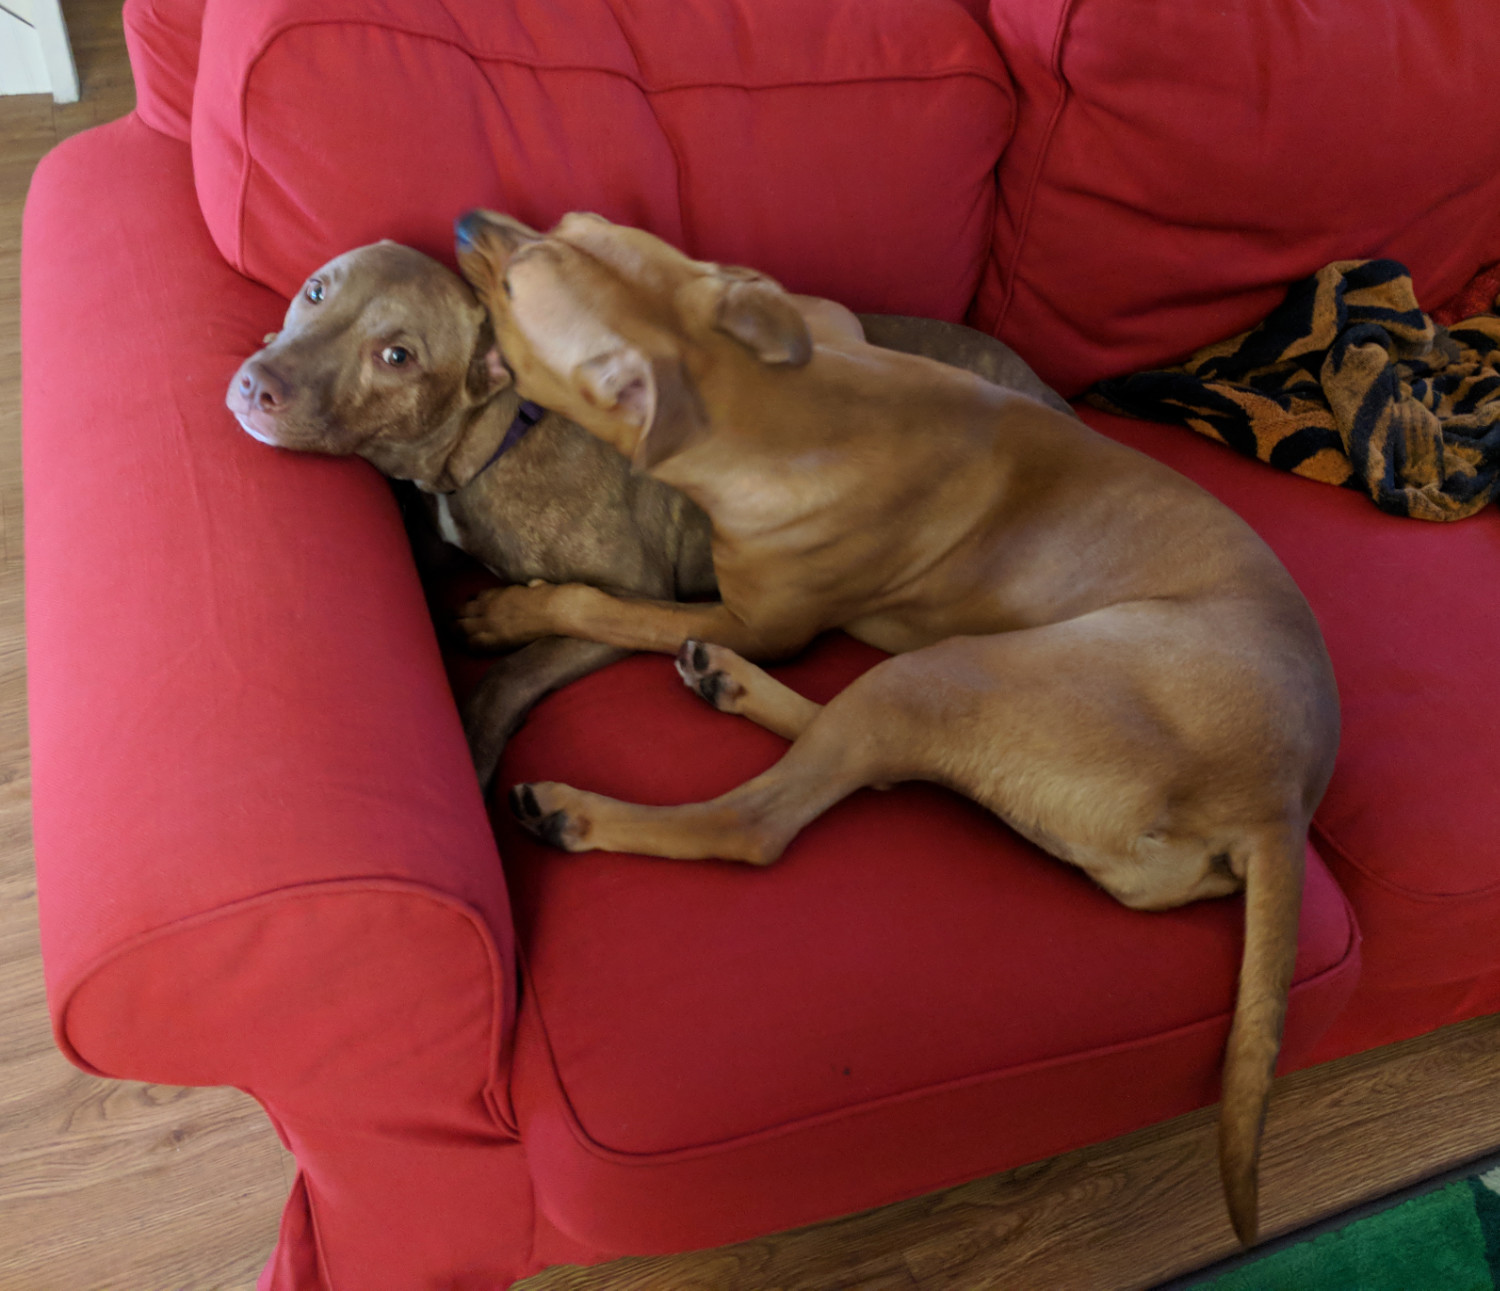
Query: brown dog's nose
x=262 y=387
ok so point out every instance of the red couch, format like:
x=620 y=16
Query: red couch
x=262 y=860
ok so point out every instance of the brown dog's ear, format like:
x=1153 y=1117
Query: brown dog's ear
x=651 y=394
x=487 y=375
x=758 y=313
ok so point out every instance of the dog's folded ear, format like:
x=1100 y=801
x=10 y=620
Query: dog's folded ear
x=760 y=315
x=485 y=241
x=648 y=392
x=487 y=374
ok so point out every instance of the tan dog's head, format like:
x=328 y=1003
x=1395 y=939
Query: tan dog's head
x=614 y=328
x=385 y=354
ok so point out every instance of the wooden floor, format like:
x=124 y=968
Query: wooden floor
x=111 y=1186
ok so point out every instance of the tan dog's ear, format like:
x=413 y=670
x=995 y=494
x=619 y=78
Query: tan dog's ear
x=651 y=394
x=760 y=315
x=487 y=374
x=484 y=242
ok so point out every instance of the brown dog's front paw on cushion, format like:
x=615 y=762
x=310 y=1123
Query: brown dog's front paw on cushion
x=503 y=617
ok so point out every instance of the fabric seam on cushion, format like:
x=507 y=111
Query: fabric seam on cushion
x=1035 y=183
x=497 y=1044
x=957 y=71
x=1326 y=839
x=317 y=1231
x=672 y=1156
x=688 y=237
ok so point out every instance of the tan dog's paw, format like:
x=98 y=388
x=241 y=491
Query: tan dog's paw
x=542 y=811
x=709 y=672
x=504 y=617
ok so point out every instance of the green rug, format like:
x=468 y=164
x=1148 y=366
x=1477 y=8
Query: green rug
x=1444 y=1240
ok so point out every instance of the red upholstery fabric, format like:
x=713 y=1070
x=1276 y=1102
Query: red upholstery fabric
x=162 y=36
x=710 y=1051
x=1404 y=825
x=1175 y=166
x=845 y=146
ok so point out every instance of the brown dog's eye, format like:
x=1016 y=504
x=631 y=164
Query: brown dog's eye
x=394 y=355
x=314 y=291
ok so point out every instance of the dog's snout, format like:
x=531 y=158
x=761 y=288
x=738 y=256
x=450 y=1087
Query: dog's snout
x=261 y=387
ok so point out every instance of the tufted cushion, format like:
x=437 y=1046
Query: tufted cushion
x=1175 y=166
x=846 y=146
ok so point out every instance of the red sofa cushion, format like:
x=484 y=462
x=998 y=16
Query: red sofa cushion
x=1174 y=166
x=846 y=146
x=910 y=997
x=1407 y=823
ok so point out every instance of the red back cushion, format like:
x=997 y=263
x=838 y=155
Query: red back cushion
x=845 y=146
x=1175 y=166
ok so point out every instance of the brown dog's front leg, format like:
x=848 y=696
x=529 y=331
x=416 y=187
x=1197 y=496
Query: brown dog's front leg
x=515 y=683
x=508 y=616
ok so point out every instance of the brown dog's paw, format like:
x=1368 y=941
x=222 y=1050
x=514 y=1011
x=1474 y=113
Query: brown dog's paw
x=707 y=671
x=503 y=617
x=534 y=807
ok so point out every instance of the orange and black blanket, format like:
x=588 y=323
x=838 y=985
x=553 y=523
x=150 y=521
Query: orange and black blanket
x=1347 y=382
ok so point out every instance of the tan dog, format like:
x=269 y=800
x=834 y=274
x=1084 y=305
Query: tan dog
x=1084 y=641
x=386 y=354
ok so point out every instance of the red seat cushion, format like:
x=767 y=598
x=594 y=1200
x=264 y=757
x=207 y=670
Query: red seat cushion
x=910 y=997
x=846 y=146
x=1175 y=165
x=1408 y=821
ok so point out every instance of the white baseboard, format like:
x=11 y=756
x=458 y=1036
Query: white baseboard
x=35 y=57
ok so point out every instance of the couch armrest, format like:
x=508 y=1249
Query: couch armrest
x=262 y=856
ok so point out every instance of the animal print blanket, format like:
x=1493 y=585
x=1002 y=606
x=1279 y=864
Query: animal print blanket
x=1347 y=382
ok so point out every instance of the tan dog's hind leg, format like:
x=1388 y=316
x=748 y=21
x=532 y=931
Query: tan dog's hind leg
x=734 y=685
x=1062 y=732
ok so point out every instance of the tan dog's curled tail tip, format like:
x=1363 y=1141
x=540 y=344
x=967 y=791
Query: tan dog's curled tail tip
x=1273 y=900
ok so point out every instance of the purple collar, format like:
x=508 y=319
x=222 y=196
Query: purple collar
x=527 y=416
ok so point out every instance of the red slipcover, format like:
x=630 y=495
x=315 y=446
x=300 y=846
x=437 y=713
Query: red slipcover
x=261 y=857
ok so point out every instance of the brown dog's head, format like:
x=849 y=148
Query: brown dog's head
x=613 y=327
x=385 y=354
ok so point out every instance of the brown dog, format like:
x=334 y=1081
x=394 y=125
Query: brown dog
x=386 y=354
x=1084 y=641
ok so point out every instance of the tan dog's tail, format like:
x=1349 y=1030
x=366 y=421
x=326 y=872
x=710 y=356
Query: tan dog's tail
x=1273 y=899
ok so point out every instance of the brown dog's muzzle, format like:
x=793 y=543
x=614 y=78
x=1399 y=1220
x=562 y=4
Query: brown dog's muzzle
x=261 y=388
